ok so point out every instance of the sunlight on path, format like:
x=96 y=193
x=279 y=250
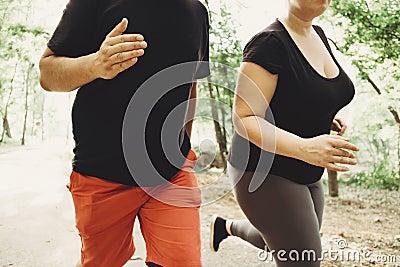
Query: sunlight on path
x=36 y=212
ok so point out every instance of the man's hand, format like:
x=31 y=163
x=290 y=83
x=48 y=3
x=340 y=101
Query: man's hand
x=118 y=52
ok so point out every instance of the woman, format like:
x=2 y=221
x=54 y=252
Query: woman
x=288 y=69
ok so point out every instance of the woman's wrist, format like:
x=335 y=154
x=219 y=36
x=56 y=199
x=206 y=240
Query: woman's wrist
x=300 y=148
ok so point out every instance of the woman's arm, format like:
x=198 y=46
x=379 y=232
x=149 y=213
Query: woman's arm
x=117 y=53
x=255 y=89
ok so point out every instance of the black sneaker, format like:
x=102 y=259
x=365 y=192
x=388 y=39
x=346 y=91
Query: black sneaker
x=218 y=232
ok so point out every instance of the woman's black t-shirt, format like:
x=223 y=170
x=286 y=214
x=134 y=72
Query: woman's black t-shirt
x=305 y=103
x=176 y=32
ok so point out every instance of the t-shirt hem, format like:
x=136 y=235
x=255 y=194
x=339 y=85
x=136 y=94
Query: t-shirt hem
x=105 y=177
x=293 y=179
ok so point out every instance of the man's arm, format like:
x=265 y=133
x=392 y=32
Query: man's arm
x=117 y=53
x=191 y=109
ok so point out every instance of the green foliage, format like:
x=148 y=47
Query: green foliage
x=225 y=47
x=371 y=39
x=20 y=45
x=20 y=30
x=372 y=23
x=225 y=55
x=225 y=52
x=376 y=136
x=381 y=176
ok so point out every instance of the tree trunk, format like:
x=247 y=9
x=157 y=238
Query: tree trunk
x=33 y=123
x=6 y=125
x=42 y=118
x=217 y=127
x=26 y=103
x=230 y=95
x=6 y=128
x=333 y=183
x=223 y=137
x=398 y=153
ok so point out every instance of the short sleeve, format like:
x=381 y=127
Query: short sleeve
x=74 y=35
x=265 y=49
x=203 y=66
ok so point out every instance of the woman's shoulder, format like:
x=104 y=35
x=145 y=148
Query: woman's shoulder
x=320 y=32
x=272 y=36
x=267 y=49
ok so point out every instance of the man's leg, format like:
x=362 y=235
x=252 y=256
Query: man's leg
x=170 y=221
x=105 y=213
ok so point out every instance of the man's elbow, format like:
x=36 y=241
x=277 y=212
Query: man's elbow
x=44 y=84
x=43 y=76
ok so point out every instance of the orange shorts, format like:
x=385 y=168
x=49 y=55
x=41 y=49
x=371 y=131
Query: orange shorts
x=168 y=214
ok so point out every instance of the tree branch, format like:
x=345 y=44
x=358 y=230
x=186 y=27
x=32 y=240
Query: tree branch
x=395 y=114
x=376 y=88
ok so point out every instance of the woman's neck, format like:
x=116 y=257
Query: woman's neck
x=296 y=24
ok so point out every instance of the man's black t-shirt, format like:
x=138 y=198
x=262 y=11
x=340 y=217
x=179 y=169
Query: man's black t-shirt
x=176 y=32
x=305 y=103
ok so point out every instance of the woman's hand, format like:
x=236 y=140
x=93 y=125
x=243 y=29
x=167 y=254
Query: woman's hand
x=339 y=126
x=326 y=150
x=118 y=52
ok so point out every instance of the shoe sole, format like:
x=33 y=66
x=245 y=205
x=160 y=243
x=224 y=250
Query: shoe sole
x=214 y=218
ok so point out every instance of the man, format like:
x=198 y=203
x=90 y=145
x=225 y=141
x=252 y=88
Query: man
x=109 y=64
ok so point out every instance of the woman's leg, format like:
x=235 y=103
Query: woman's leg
x=284 y=213
x=317 y=194
x=222 y=228
x=246 y=231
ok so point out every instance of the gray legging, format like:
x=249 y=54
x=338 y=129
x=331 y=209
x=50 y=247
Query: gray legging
x=282 y=215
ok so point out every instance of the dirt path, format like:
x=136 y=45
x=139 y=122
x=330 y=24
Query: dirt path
x=360 y=228
x=37 y=220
